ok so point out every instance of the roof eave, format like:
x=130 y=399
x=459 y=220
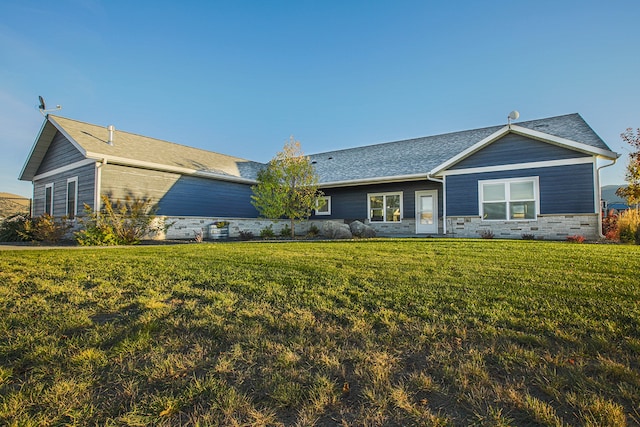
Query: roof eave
x=123 y=161
x=374 y=180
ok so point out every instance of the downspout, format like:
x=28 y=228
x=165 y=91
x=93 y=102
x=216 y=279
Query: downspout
x=98 y=190
x=444 y=203
x=599 y=196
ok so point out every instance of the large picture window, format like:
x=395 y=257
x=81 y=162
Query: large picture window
x=72 y=197
x=48 y=199
x=511 y=199
x=385 y=207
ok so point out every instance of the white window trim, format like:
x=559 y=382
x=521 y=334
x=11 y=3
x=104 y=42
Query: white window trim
x=391 y=193
x=327 y=200
x=75 y=207
x=506 y=182
x=46 y=186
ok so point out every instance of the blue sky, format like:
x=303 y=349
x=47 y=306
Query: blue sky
x=240 y=77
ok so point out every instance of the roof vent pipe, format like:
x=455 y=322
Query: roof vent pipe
x=111 y=129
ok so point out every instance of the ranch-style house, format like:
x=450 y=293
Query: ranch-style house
x=538 y=178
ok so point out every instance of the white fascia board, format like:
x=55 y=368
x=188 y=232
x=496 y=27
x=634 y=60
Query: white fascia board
x=33 y=149
x=517 y=166
x=69 y=138
x=166 y=168
x=378 y=180
x=65 y=168
x=563 y=142
x=466 y=153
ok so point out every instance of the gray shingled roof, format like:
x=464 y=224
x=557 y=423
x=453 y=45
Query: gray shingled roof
x=387 y=160
x=137 y=148
x=421 y=155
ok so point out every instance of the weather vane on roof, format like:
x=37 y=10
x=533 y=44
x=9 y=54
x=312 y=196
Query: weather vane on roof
x=43 y=108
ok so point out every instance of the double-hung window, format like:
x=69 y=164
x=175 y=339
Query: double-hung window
x=48 y=199
x=72 y=197
x=509 y=199
x=385 y=207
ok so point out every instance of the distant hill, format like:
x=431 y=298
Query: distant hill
x=609 y=194
x=11 y=204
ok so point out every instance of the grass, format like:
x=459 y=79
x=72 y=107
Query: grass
x=364 y=333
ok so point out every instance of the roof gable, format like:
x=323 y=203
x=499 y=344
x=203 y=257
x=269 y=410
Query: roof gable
x=419 y=158
x=140 y=151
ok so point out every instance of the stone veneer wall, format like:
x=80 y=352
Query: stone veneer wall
x=185 y=228
x=549 y=227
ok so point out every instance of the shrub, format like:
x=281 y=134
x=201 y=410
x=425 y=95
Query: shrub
x=487 y=234
x=629 y=226
x=610 y=226
x=122 y=223
x=198 y=236
x=246 y=235
x=286 y=231
x=221 y=224
x=313 y=231
x=12 y=229
x=267 y=232
x=45 y=228
x=575 y=238
x=527 y=236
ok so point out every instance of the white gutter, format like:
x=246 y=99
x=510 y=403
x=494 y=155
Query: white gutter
x=165 y=168
x=444 y=203
x=599 y=195
x=378 y=180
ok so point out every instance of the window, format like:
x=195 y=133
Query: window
x=72 y=197
x=323 y=205
x=512 y=199
x=48 y=199
x=385 y=207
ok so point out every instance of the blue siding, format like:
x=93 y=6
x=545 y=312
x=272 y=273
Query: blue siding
x=563 y=189
x=60 y=153
x=514 y=148
x=86 y=190
x=192 y=196
x=351 y=202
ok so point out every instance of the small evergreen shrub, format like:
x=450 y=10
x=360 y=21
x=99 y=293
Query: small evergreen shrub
x=487 y=234
x=12 y=229
x=528 y=236
x=313 y=231
x=286 y=231
x=267 y=232
x=246 y=235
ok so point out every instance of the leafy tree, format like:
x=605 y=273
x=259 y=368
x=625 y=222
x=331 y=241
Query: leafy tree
x=287 y=187
x=632 y=192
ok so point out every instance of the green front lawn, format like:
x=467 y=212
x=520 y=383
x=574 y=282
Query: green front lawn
x=381 y=332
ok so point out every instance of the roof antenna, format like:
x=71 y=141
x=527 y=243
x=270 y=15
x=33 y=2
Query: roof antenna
x=43 y=108
x=512 y=116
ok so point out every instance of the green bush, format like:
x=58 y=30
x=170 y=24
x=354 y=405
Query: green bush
x=286 y=231
x=12 y=229
x=267 y=232
x=313 y=231
x=120 y=223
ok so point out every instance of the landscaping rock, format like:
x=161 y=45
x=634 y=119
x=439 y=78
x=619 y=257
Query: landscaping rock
x=335 y=230
x=360 y=229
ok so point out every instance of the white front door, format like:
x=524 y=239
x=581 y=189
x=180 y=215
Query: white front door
x=427 y=212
